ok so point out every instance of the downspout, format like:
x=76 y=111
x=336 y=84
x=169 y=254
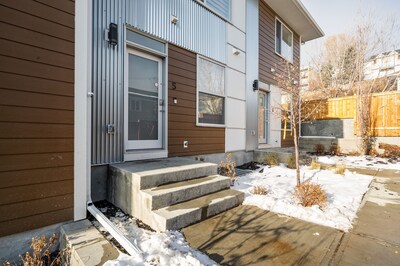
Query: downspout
x=82 y=127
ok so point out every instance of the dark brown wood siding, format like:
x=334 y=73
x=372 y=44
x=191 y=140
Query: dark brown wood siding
x=182 y=116
x=269 y=59
x=36 y=113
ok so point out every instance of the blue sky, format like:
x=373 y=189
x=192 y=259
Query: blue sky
x=338 y=16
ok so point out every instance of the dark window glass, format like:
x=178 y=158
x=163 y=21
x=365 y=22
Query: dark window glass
x=211 y=109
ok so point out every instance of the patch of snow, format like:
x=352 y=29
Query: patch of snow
x=344 y=194
x=169 y=248
x=363 y=161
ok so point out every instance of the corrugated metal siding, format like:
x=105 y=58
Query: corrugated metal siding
x=222 y=7
x=198 y=30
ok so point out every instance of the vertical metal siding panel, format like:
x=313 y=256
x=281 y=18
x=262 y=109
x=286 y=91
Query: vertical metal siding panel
x=198 y=30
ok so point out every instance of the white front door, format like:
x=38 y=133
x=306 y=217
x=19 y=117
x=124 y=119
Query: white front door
x=144 y=101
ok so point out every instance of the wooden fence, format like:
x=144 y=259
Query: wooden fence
x=385 y=112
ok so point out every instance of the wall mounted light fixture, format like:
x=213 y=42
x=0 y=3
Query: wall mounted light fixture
x=174 y=19
x=272 y=70
x=255 y=85
x=113 y=34
x=235 y=51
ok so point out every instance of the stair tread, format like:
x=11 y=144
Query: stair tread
x=162 y=166
x=197 y=203
x=182 y=185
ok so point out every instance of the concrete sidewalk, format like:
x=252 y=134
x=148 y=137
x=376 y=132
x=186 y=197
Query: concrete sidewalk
x=247 y=235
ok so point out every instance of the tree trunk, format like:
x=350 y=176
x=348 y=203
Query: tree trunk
x=296 y=154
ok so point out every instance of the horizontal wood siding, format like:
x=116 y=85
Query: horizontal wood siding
x=36 y=113
x=182 y=116
x=269 y=59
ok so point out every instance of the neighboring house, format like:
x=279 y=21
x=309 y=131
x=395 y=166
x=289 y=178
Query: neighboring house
x=382 y=65
x=150 y=79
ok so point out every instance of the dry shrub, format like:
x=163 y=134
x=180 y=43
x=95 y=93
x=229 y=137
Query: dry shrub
x=354 y=153
x=334 y=149
x=340 y=169
x=227 y=167
x=314 y=165
x=390 y=150
x=291 y=162
x=41 y=253
x=319 y=149
x=310 y=194
x=271 y=159
x=259 y=190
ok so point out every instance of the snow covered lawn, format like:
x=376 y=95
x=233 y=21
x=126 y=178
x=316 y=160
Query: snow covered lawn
x=363 y=161
x=168 y=248
x=344 y=193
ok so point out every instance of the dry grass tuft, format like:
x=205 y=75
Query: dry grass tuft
x=259 y=190
x=271 y=159
x=319 y=149
x=334 y=149
x=310 y=194
x=41 y=253
x=291 y=162
x=227 y=167
x=314 y=165
x=340 y=169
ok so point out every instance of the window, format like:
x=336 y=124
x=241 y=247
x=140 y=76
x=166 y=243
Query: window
x=283 y=41
x=222 y=7
x=211 y=93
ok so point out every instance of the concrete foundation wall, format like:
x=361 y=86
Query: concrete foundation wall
x=12 y=246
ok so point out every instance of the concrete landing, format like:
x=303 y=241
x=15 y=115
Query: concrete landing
x=247 y=235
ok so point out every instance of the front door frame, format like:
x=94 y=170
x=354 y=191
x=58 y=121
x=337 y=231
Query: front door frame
x=144 y=154
x=145 y=144
x=267 y=107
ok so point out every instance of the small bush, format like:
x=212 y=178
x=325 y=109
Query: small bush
x=319 y=149
x=334 y=149
x=390 y=150
x=291 y=162
x=310 y=194
x=271 y=159
x=259 y=190
x=340 y=169
x=227 y=167
x=354 y=153
x=314 y=165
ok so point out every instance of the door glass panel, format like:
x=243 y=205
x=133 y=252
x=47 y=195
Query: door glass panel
x=143 y=75
x=143 y=102
x=261 y=117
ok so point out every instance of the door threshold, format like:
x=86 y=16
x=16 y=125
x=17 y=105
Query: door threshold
x=136 y=155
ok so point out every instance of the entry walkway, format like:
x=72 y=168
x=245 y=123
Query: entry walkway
x=247 y=235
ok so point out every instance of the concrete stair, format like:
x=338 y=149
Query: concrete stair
x=170 y=193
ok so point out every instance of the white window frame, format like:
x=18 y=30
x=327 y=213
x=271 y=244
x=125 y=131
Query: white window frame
x=276 y=51
x=218 y=95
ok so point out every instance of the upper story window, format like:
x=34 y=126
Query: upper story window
x=283 y=40
x=222 y=7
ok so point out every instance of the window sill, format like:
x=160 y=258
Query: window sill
x=210 y=125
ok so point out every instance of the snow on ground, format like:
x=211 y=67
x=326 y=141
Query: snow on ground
x=344 y=194
x=169 y=248
x=363 y=161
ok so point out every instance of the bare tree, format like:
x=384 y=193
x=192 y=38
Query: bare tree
x=288 y=82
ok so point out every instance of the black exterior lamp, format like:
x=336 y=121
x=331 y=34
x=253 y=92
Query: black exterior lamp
x=255 y=85
x=113 y=34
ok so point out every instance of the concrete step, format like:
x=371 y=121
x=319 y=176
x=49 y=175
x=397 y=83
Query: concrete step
x=167 y=195
x=153 y=173
x=183 y=214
